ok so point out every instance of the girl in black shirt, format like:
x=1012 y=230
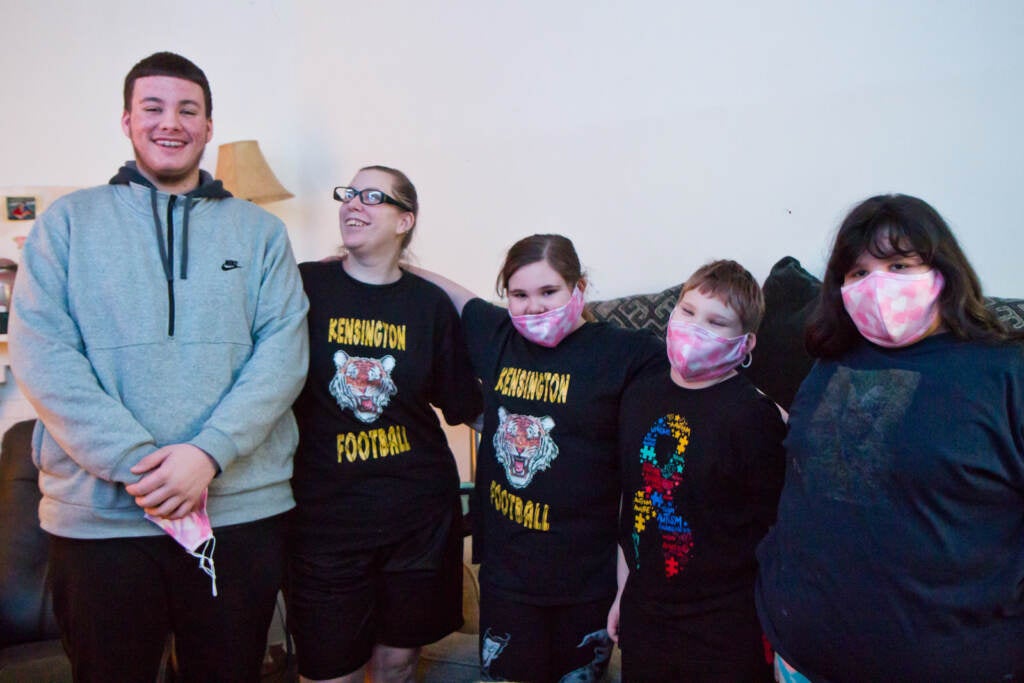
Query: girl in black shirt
x=547 y=483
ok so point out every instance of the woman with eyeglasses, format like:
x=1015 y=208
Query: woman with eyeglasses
x=547 y=481
x=375 y=570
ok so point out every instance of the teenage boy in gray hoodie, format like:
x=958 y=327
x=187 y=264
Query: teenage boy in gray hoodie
x=159 y=332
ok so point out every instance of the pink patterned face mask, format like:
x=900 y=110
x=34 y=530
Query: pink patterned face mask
x=698 y=355
x=194 y=533
x=550 y=328
x=894 y=309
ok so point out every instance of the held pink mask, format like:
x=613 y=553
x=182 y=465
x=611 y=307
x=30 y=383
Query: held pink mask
x=550 y=328
x=698 y=355
x=894 y=309
x=194 y=533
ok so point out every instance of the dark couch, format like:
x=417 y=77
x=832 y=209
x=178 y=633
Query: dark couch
x=30 y=648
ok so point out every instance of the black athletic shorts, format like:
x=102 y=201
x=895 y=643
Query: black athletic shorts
x=543 y=643
x=406 y=594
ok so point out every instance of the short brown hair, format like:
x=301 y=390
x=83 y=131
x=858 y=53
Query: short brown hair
x=733 y=284
x=168 y=64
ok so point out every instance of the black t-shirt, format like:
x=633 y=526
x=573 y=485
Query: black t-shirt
x=546 y=511
x=898 y=553
x=373 y=461
x=701 y=473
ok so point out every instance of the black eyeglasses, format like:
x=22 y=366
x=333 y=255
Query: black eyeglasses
x=368 y=197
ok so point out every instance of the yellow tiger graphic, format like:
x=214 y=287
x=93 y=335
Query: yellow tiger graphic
x=523 y=446
x=363 y=385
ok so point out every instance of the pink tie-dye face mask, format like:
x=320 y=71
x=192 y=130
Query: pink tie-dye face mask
x=698 y=355
x=894 y=309
x=551 y=327
x=194 y=533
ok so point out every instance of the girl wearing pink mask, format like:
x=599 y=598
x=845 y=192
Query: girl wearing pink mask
x=898 y=553
x=547 y=485
x=702 y=467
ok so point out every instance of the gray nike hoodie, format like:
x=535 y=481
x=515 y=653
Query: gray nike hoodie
x=143 y=319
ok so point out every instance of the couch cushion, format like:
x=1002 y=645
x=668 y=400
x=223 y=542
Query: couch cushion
x=26 y=612
x=780 y=361
x=1009 y=311
x=640 y=311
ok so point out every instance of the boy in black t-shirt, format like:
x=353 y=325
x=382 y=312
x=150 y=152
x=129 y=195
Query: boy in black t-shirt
x=702 y=468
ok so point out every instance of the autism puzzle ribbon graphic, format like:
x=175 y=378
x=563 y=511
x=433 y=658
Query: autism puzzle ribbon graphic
x=657 y=497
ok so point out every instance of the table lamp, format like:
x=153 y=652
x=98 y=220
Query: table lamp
x=246 y=174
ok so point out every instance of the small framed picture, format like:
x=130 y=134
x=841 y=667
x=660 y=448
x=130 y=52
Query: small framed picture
x=24 y=204
x=21 y=208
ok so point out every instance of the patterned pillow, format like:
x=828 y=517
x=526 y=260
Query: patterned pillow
x=641 y=311
x=1009 y=311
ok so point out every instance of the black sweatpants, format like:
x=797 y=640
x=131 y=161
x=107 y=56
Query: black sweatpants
x=116 y=600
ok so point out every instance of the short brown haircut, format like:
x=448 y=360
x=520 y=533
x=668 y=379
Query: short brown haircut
x=732 y=284
x=168 y=64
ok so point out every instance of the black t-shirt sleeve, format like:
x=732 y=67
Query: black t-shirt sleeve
x=649 y=354
x=482 y=325
x=455 y=389
x=756 y=440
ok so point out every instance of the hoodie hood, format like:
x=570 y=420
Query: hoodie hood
x=208 y=187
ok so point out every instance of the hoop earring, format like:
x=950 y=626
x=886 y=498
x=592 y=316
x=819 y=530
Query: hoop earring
x=747 y=361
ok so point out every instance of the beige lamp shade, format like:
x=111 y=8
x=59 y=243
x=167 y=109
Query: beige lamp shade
x=246 y=174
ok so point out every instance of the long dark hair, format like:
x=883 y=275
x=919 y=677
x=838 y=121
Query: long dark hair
x=900 y=224
x=732 y=283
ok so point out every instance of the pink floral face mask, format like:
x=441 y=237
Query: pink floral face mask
x=194 y=533
x=550 y=328
x=698 y=355
x=894 y=309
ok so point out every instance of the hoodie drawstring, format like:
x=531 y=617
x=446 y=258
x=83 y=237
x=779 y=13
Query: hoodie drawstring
x=184 y=238
x=159 y=235
x=167 y=251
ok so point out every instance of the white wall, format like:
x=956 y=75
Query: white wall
x=656 y=134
